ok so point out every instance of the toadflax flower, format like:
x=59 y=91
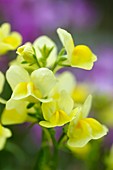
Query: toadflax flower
x=4 y=134
x=82 y=129
x=17 y=112
x=8 y=40
x=32 y=88
x=79 y=56
x=58 y=112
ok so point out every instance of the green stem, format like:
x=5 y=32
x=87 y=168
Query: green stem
x=36 y=58
x=61 y=138
x=54 y=66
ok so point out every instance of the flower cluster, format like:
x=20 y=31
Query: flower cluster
x=40 y=95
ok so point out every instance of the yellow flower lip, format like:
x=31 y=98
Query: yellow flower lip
x=82 y=57
x=58 y=112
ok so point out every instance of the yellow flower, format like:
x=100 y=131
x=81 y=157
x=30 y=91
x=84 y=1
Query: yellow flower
x=4 y=134
x=32 y=88
x=58 y=112
x=79 y=56
x=8 y=40
x=82 y=129
x=16 y=112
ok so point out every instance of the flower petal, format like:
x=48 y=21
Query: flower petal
x=66 y=81
x=44 y=80
x=82 y=57
x=98 y=130
x=66 y=40
x=16 y=74
x=14 y=39
x=6 y=28
x=86 y=106
x=58 y=118
x=65 y=102
x=48 y=109
x=80 y=134
x=13 y=113
x=13 y=117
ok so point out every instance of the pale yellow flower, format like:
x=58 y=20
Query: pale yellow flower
x=58 y=112
x=32 y=88
x=79 y=56
x=82 y=129
x=16 y=112
x=8 y=40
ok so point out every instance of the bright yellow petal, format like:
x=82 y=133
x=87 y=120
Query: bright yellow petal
x=14 y=39
x=13 y=117
x=66 y=40
x=20 y=91
x=26 y=91
x=16 y=112
x=59 y=118
x=4 y=48
x=98 y=130
x=79 y=135
x=82 y=57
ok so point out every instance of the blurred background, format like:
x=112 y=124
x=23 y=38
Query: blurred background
x=91 y=23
